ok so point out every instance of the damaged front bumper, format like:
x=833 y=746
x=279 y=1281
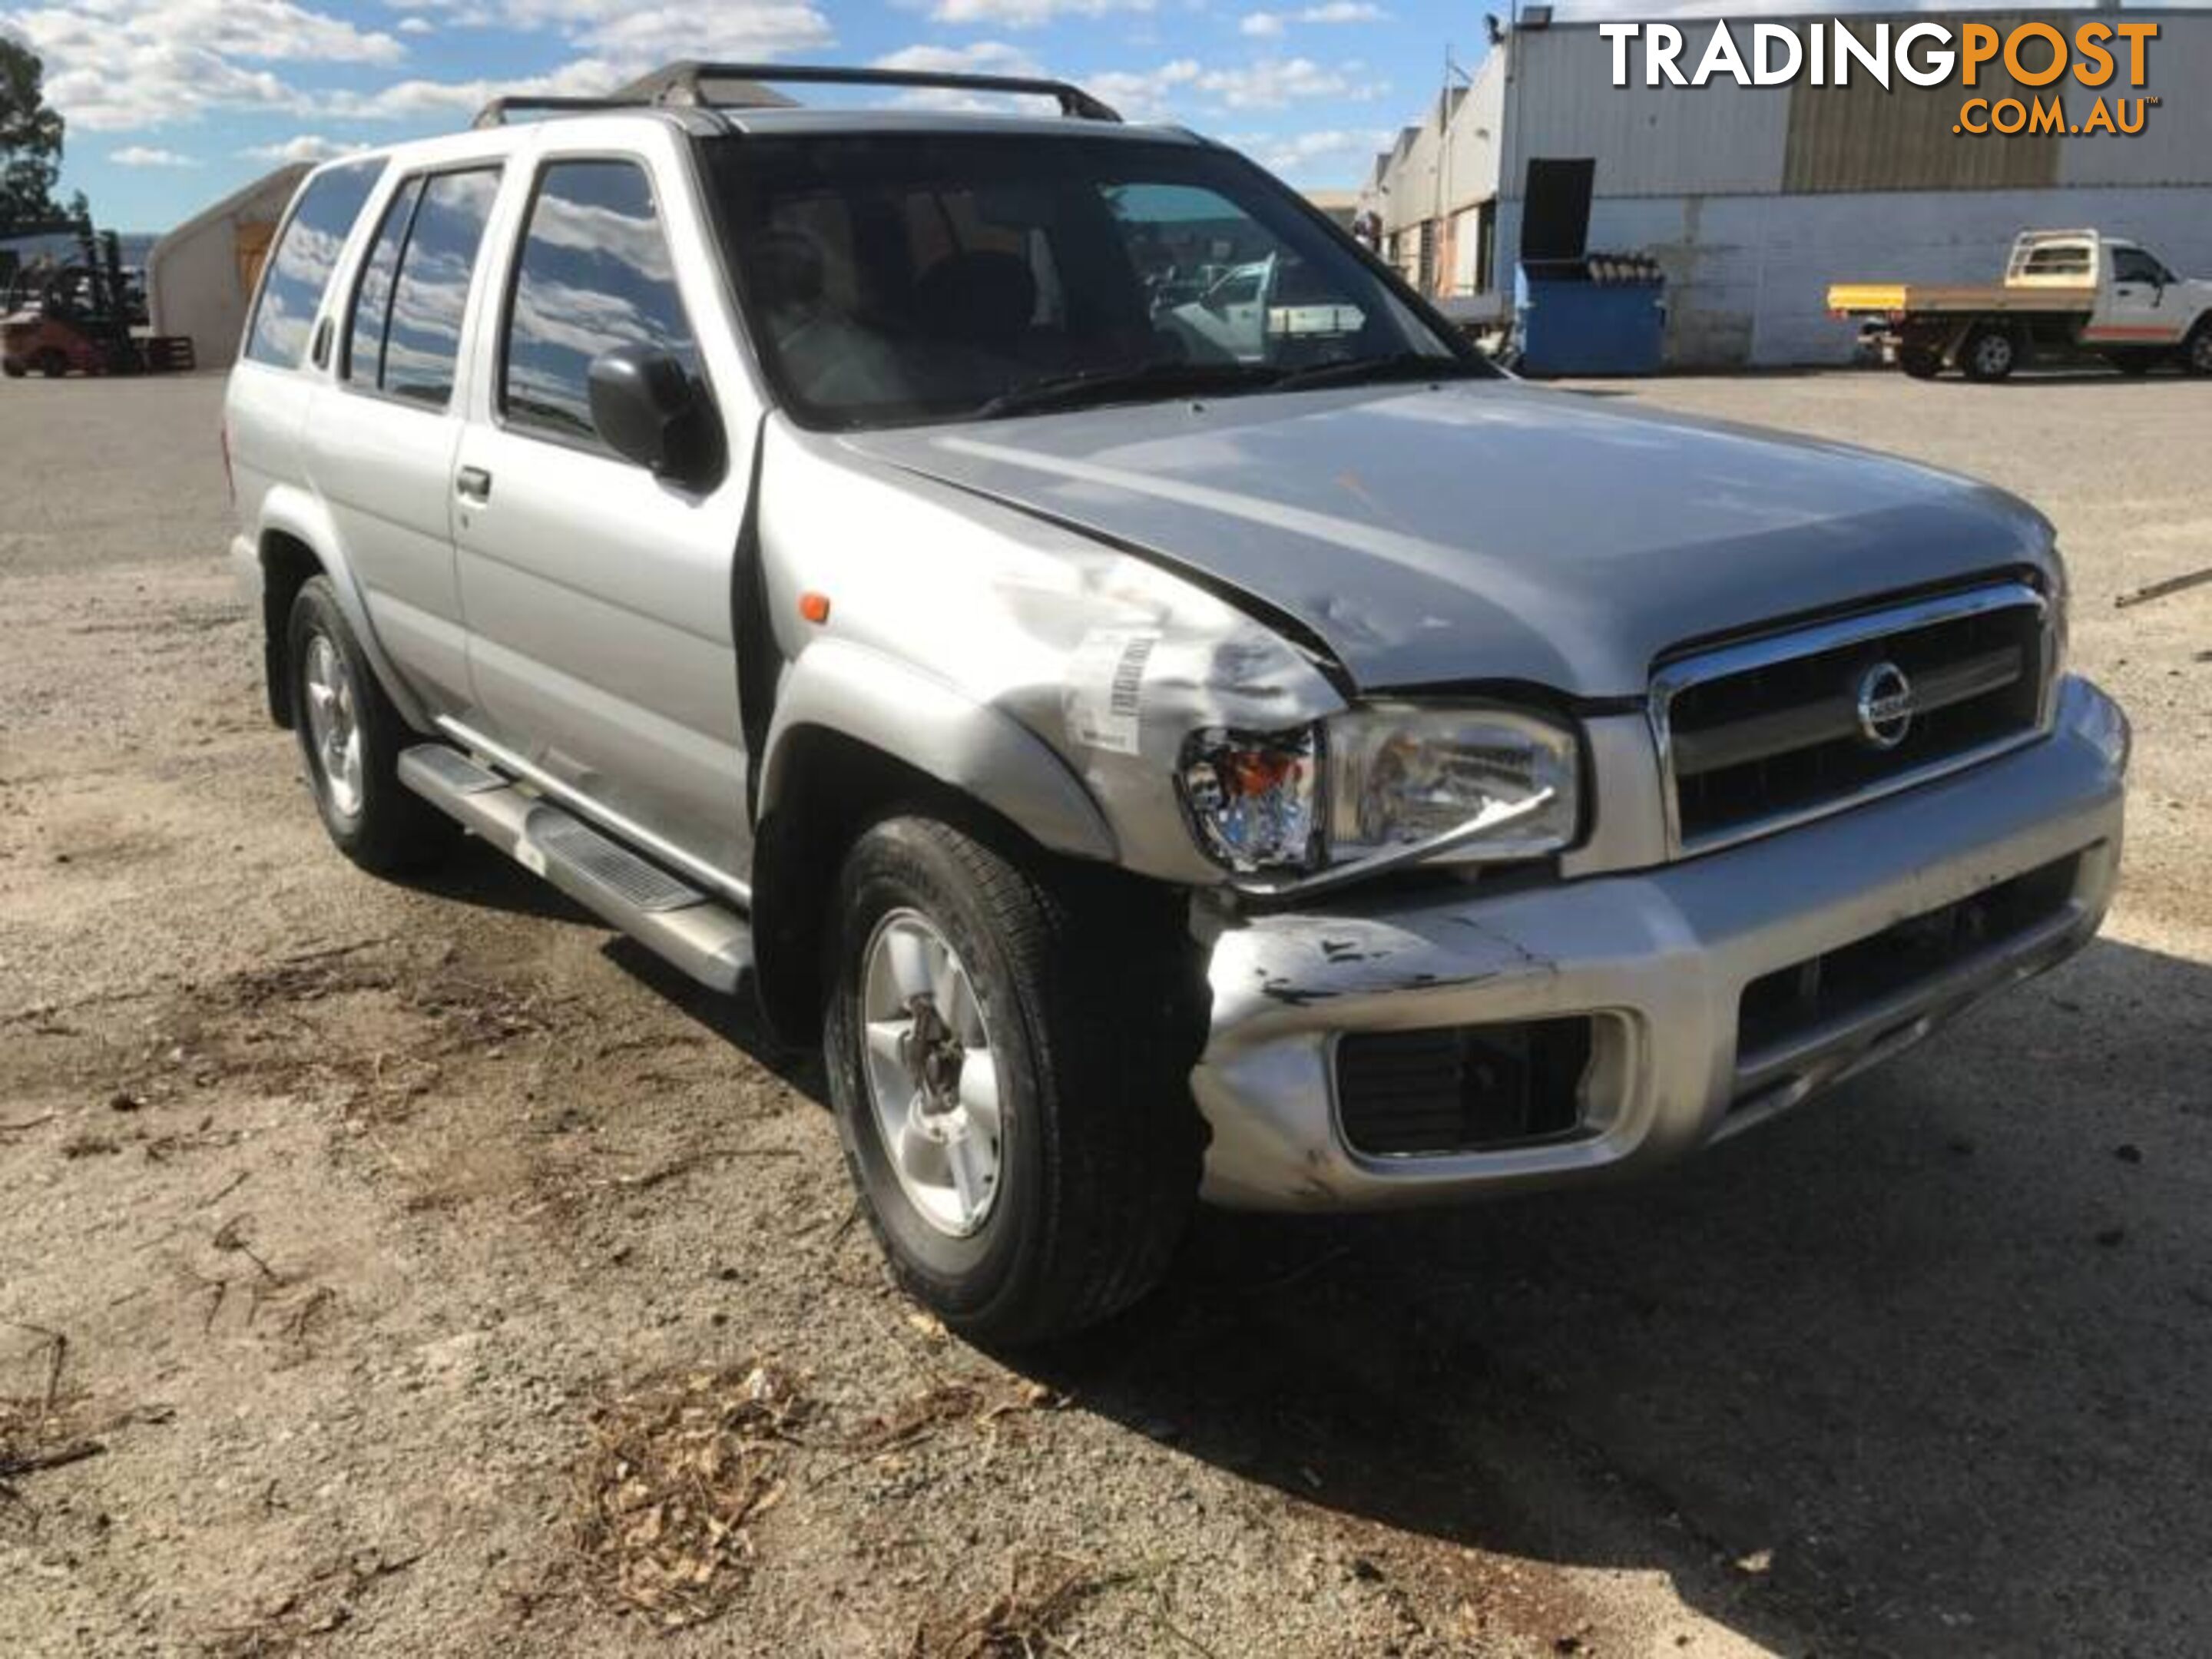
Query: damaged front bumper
x=2016 y=858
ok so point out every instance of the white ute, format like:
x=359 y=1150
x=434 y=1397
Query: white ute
x=2066 y=294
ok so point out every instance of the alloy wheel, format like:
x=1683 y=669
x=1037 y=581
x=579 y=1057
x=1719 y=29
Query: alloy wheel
x=932 y=1077
x=333 y=726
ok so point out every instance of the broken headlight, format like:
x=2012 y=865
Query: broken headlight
x=1400 y=776
x=1253 y=797
x=1380 y=780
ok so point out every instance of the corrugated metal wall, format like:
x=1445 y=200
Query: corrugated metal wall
x=1719 y=138
x=1865 y=135
x=1722 y=139
x=2175 y=146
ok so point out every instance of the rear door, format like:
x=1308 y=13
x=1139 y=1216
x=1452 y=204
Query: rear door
x=267 y=401
x=382 y=436
x=599 y=595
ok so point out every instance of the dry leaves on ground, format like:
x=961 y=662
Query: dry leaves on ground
x=1023 y=1621
x=679 y=1472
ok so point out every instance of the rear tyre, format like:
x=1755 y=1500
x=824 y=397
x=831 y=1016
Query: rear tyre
x=1017 y=1120
x=351 y=737
x=53 y=363
x=1989 y=354
x=1920 y=362
x=2197 y=349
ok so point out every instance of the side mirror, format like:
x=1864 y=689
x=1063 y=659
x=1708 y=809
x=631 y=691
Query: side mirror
x=650 y=410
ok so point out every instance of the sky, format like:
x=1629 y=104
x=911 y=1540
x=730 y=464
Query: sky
x=171 y=103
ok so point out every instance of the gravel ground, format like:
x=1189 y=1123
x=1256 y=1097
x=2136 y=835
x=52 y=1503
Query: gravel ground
x=433 y=1273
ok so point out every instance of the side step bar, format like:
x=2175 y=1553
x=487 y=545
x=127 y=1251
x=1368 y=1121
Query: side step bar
x=711 y=943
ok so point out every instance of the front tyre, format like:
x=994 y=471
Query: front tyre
x=351 y=737
x=2197 y=349
x=1014 y=1113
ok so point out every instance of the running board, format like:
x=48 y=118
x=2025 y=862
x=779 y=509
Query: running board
x=708 y=941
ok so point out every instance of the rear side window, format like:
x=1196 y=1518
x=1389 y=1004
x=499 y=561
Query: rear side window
x=411 y=350
x=300 y=264
x=363 y=359
x=2058 y=260
x=594 y=273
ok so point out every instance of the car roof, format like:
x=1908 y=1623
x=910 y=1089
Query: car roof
x=478 y=143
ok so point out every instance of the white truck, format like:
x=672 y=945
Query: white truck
x=1267 y=306
x=2065 y=294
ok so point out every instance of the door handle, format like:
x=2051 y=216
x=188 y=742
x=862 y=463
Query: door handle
x=473 y=483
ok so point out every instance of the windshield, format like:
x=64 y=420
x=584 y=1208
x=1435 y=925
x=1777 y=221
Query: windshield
x=890 y=278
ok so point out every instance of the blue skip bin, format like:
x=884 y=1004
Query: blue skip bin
x=1600 y=314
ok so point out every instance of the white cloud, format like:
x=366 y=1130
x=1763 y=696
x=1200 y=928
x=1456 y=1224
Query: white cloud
x=1184 y=88
x=1145 y=95
x=1272 y=83
x=1333 y=152
x=306 y=147
x=1270 y=25
x=981 y=58
x=420 y=98
x=644 y=37
x=1027 y=14
x=117 y=64
x=148 y=155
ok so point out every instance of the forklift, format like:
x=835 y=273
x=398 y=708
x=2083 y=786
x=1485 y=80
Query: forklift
x=82 y=315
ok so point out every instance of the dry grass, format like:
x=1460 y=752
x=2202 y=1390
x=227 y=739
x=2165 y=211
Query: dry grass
x=1023 y=1621
x=946 y=1405
x=678 y=1473
x=40 y=1431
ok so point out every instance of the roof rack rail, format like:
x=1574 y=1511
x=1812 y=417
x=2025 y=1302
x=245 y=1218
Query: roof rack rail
x=497 y=112
x=684 y=85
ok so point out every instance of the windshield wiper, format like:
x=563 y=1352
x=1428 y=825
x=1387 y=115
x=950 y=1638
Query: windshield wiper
x=1165 y=378
x=1391 y=366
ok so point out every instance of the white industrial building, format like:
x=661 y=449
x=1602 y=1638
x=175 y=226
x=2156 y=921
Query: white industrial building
x=200 y=277
x=1753 y=199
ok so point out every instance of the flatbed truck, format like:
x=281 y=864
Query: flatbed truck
x=2066 y=295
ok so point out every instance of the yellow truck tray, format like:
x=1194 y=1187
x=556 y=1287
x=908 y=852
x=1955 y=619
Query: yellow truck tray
x=1891 y=299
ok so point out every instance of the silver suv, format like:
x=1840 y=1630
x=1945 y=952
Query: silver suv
x=1278 y=759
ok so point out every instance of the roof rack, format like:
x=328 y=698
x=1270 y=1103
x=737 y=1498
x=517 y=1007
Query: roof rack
x=685 y=86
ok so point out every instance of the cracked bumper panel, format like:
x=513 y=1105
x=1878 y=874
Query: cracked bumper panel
x=1660 y=960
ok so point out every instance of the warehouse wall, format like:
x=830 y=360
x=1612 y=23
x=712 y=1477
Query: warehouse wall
x=1648 y=141
x=1755 y=198
x=1747 y=276
x=1724 y=139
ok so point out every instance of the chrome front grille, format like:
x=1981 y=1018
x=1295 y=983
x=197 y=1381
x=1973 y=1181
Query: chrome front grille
x=1774 y=731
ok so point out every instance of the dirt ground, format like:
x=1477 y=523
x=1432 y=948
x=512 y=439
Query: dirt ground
x=406 y=1270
